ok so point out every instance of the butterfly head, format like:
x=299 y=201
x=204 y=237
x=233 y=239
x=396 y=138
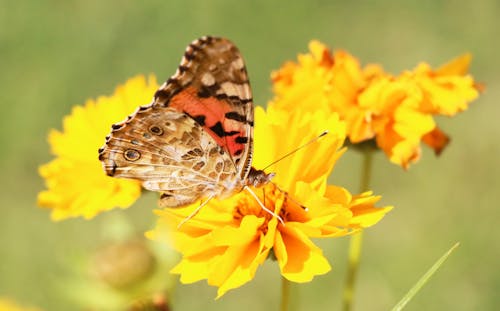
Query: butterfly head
x=258 y=178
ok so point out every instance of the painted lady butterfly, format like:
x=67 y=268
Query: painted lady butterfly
x=195 y=140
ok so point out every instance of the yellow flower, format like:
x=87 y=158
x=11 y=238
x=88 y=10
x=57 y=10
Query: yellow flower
x=227 y=241
x=396 y=111
x=77 y=185
x=9 y=305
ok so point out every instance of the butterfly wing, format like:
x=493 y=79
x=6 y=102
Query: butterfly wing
x=169 y=152
x=195 y=139
x=211 y=86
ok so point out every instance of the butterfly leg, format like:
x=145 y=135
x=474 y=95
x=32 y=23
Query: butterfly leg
x=262 y=205
x=196 y=211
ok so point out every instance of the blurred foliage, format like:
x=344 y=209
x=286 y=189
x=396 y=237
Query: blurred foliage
x=55 y=54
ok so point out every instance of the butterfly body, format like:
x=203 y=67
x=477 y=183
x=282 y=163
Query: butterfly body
x=195 y=140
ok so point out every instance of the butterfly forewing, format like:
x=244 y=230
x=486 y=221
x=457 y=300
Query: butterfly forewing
x=211 y=85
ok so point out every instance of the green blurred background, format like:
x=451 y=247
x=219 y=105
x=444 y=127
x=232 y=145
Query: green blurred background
x=58 y=53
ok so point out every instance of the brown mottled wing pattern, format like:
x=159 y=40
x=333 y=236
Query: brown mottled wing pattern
x=169 y=152
x=195 y=139
x=211 y=85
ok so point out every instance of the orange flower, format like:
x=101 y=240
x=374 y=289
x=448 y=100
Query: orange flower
x=396 y=111
x=227 y=241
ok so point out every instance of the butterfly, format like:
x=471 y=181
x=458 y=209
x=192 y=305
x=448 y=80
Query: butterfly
x=195 y=140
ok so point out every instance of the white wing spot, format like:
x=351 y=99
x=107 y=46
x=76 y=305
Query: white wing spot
x=233 y=89
x=238 y=63
x=208 y=79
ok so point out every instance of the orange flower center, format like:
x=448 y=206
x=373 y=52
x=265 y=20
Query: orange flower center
x=272 y=198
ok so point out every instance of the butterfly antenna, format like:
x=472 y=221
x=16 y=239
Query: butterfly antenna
x=296 y=149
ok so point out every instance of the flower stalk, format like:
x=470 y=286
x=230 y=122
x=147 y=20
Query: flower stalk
x=356 y=241
x=285 y=294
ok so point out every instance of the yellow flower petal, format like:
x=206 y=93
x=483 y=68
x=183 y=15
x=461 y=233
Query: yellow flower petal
x=436 y=139
x=458 y=66
x=299 y=259
x=77 y=185
x=447 y=90
x=364 y=213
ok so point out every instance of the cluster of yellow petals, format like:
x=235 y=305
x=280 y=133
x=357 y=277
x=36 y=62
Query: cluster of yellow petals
x=396 y=111
x=227 y=240
x=76 y=183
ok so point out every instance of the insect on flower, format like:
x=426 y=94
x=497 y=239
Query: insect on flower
x=195 y=140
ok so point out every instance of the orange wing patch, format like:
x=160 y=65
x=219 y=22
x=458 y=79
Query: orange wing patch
x=216 y=117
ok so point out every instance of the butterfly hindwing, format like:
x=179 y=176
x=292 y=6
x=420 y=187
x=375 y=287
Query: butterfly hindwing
x=169 y=152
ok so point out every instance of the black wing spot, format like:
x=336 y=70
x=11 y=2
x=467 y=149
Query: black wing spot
x=221 y=96
x=200 y=119
x=194 y=47
x=236 y=116
x=116 y=126
x=204 y=92
x=231 y=133
x=235 y=98
x=241 y=140
x=113 y=169
x=189 y=56
x=218 y=129
x=160 y=94
x=171 y=81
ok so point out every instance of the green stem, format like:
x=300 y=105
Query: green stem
x=356 y=240
x=285 y=294
x=366 y=172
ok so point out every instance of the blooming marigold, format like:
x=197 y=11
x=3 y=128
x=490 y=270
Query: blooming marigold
x=396 y=111
x=227 y=241
x=76 y=182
